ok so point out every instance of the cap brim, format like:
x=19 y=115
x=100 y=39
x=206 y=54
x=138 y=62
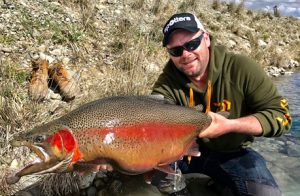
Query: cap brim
x=190 y=29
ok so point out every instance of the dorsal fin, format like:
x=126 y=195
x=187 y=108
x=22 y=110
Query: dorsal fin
x=157 y=98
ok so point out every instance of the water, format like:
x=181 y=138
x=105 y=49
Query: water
x=289 y=87
x=285 y=7
x=283 y=154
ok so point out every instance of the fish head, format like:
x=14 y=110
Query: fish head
x=56 y=151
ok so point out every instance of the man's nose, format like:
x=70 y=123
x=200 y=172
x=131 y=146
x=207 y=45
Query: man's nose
x=185 y=53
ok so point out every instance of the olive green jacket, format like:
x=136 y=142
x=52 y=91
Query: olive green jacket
x=238 y=85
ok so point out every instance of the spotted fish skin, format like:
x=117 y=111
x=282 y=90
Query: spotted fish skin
x=133 y=133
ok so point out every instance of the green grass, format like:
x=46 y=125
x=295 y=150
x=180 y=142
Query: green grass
x=14 y=73
x=6 y=39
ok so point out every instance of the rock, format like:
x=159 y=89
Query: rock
x=65 y=61
x=101 y=174
x=99 y=183
x=56 y=52
x=151 y=68
x=288 y=73
x=32 y=188
x=2 y=99
x=8 y=6
x=86 y=181
x=293 y=63
x=23 y=193
x=262 y=44
x=55 y=96
x=116 y=187
x=55 y=104
x=83 y=192
x=102 y=192
x=231 y=44
x=14 y=164
x=282 y=71
x=42 y=48
x=6 y=49
x=44 y=56
x=281 y=43
x=91 y=191
x=112 y=1
x=35 y=56
x=293 y=152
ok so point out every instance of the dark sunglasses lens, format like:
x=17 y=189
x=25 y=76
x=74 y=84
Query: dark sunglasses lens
x=189 y=46
x=176 y=51
x=192 y=45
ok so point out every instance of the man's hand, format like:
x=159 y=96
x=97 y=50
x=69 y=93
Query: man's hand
x=221 y=125
x=105 y=167
x=217 y=126
x=84 y=168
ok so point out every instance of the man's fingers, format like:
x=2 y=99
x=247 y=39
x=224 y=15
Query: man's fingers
x=105 y=167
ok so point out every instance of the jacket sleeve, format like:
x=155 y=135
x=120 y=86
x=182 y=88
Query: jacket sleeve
x=264 y=100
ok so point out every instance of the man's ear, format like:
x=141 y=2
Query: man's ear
x=206 y=39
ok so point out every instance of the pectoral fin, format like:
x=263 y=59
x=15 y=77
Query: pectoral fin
x=84 y=168
x=166 y=169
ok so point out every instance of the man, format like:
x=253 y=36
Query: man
x=199 y=72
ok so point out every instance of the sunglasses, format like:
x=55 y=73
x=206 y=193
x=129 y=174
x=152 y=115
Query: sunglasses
x=189 y=46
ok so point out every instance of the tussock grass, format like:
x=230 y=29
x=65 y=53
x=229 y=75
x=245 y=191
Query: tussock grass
x=60 y=184
x=216 y=4
x=6 y=39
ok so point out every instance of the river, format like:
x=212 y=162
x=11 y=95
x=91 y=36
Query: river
x=289 y=87
x=285 y=7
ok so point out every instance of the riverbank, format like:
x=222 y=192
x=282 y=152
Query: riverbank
x=289 y=68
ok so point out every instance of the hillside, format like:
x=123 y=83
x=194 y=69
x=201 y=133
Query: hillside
x=113 y=48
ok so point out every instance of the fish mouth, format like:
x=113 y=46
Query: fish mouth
x=43 y=162
x=41 y=153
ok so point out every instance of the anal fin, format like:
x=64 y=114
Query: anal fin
x=193 y=150
x=166 y=169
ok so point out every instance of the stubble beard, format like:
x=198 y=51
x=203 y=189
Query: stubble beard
x=192 y=73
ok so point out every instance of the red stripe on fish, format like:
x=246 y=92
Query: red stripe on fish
x=150 y=131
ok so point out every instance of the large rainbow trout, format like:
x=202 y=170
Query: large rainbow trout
x=134 y=134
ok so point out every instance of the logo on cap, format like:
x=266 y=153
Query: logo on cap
x=176 y=20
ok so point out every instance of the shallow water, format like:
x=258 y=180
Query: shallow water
x=285 y=7
x=289 y=87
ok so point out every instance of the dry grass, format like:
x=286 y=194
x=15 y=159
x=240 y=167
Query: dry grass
x=129 y=74
x=216 y=5
x=60 y=184
x=17 y=114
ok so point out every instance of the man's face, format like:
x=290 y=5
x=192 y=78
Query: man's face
x=192 y=63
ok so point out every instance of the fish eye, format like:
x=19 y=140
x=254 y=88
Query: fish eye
x=40 y=138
